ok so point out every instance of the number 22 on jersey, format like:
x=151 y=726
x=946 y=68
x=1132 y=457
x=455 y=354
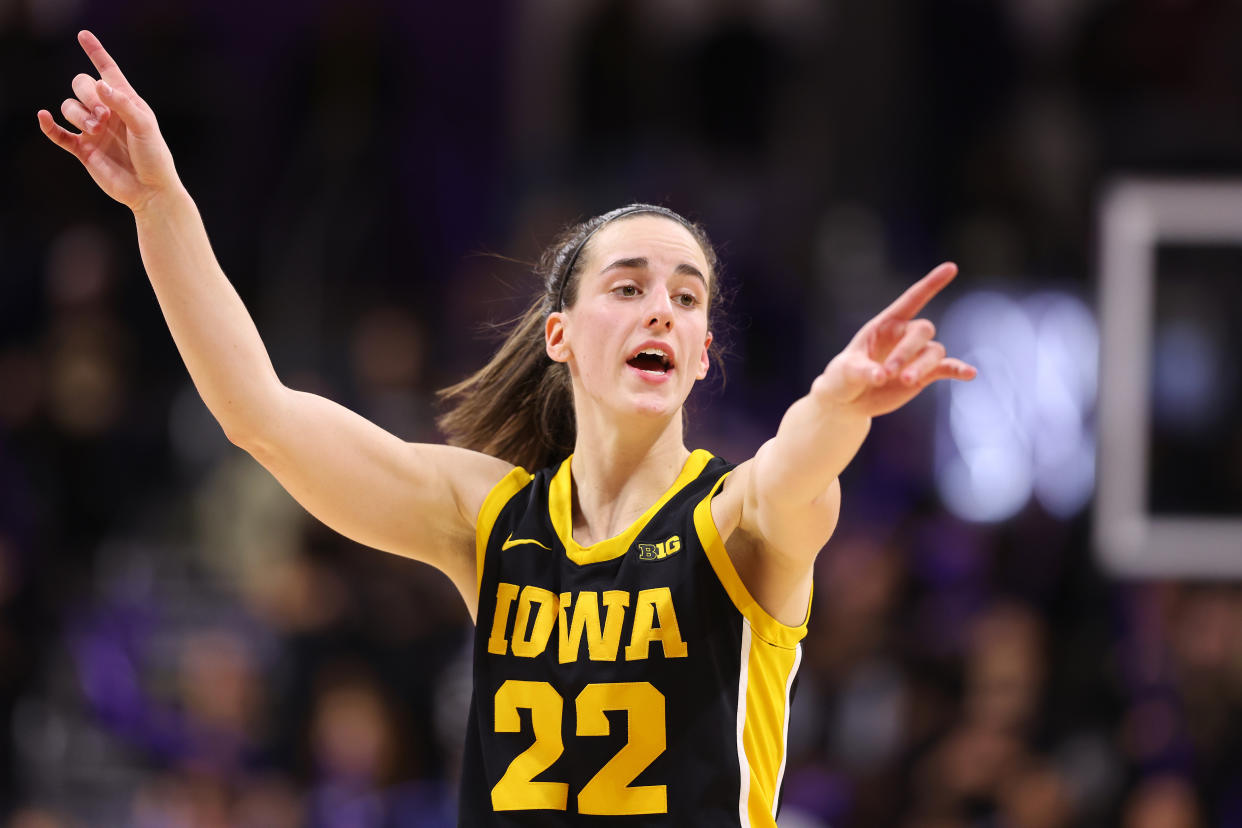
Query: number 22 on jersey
x=608 y=791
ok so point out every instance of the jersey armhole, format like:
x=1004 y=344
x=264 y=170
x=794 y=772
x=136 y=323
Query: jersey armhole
x=762 y=624
x=501 y=493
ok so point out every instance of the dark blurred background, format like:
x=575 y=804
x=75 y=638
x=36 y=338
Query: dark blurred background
x=180 y=645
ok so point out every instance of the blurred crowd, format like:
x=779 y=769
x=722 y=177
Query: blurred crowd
x=180 y=645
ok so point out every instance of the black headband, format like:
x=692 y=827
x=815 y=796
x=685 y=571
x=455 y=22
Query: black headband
x=605 y=219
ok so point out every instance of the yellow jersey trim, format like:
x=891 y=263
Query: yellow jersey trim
x=764 y=625
x=560 y=503
x=771 y=669
x=501 y=493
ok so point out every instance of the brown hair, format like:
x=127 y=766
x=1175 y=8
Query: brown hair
x=519 y=406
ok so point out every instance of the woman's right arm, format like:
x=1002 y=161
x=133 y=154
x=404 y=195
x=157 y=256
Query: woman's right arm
x=412 y=499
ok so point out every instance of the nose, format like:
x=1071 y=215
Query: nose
x=660 y=311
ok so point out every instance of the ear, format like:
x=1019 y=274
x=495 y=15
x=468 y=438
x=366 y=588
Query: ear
x=554 y=337
x=703 y=358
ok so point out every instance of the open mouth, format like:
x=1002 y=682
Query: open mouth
x=652 y=360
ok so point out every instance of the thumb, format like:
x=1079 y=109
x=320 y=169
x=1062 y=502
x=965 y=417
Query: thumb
x=864 y=372
x=847 y=377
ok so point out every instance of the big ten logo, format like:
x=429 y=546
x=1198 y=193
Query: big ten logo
x=657 y=551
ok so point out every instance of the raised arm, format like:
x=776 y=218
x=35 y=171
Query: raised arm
x=412 y=499
x=782 y=505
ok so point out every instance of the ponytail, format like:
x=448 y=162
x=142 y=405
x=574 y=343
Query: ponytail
x=519 y=407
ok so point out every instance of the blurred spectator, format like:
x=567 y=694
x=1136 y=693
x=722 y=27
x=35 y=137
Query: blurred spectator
x=1004 y=669
x=1036 y=796
x=1162 y=802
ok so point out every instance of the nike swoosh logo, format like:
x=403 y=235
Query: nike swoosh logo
x=511 y=542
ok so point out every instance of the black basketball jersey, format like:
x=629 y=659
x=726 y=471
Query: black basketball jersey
x=631 y=682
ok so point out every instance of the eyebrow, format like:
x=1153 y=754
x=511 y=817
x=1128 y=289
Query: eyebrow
x=641 y=263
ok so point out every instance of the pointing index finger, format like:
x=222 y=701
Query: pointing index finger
x=108 y=70
x=920 y=293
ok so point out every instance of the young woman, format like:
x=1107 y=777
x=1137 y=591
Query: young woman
x=641 y=603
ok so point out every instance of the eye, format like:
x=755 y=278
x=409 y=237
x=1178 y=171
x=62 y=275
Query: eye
x=688 y=300
x=626 y=290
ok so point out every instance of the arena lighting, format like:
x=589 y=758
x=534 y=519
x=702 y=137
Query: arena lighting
x=1022 y=428
x=1164 y=375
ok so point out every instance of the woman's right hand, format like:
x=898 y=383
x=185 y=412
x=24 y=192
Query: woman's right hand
x=120 y=143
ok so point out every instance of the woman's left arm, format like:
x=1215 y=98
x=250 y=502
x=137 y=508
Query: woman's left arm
x=789 y=494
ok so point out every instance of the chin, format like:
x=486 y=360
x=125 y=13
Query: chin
x=654 y=406
x=637 y=402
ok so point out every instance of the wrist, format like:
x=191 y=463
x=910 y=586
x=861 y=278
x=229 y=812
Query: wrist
x=823 y=406
x=160 y=201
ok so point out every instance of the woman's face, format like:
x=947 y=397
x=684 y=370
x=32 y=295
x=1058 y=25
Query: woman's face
x=636 y=338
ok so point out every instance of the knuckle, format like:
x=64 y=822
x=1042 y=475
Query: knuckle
x=926 y=328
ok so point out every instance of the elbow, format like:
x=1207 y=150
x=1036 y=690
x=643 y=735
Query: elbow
x=253 y=434
x=242 y=435
x=250 y=426
x=254 y=442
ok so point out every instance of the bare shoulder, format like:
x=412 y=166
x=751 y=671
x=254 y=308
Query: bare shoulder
x=770 y=556
x=728 y=503
x=755 y=503
x=470 y=474
x=465 y=478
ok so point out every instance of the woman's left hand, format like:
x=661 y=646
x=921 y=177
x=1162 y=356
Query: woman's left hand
x=893 y=357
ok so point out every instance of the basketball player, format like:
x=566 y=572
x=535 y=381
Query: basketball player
x=638 y=606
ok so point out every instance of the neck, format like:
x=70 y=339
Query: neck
x=619 y=472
